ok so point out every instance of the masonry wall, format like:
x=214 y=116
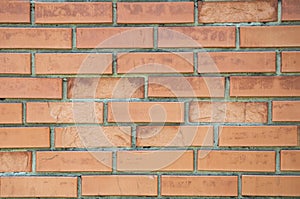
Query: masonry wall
x=160 y=99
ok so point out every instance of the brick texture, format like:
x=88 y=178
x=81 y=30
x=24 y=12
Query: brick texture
x=290 y=10
x=285 y=111
x=15 y=63
x=14 y=11
x=15 y=162
x=11 y=113
x=289 y=160
x=290 y=62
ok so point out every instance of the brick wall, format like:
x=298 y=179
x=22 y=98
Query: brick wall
x=159 y=99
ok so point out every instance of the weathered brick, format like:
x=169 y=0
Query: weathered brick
x=290 y=10
x=11 y=113
x=15 y=63
x=290 y=61
x=16 y=11
x=285 y=111
x=290 y=160
x=15 y=162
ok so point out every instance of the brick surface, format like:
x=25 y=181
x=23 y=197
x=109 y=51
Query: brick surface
x=15 y=63
x=290 y=62
x=15 y=162
x=14 y=11
x=290 y=160
x=286 y=111
x=290 y=10
x=11 y=113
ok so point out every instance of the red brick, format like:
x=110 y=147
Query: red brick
x=186 y=87
x=166 y=136
x=11 y=113
x=176 y=37
x=43 y=38
x=146 y=112
x=155 y=160
x=115 y=37
x=290 y=160
x=290 y=62
x=157 y=62
x=287 y=111
x=266 y=86
x=15 y=63
x=248 y=112
x=236 y=62
x=16 y=11
x=119 y=185
x=270 y=185
x=106 y=87
x=64 y=112
x=199 y=185
x=290 y=10
x=49 y=88
x=155 y=12
x=270 y=36
x=38 y=186
x=258 y=136
x=73 y=12
x=24 y=137
x=238 y=11
x=73 y=63
x=15 y=162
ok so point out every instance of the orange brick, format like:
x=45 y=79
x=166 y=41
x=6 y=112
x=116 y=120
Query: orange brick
x=61 y=161
x=258 y=161
x=115 y=37
x=290 y=10
x=176 y=37
x=270 y=185
x=248 y=112
x=16 y=11
x=270 y=36
x=146 y=112
x=49 y=88
x=260 y=86
x=287 y=111
x=73 y=12
x=186 y=87
x=64 y=112
x=157 y=62
x=106 y=87
x=15 y=63
x=155 y=160
x=92 y=136
x=258 y=136
x=239 y=11
x=45 y=38
x=38 y=186
x=73 y=63
x=290 y=160
x=119 y=185
x=11 y=113
x=199 y=185
x=155 y=12
x=24 y=137
x=290 y=62
x=236 y=62
x=15 y=162
x=174 y=136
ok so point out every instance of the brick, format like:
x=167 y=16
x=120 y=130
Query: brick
x=186 y=87
x=114 y=37
x=43 y=38
x=15 y=162
x=243 y=136
x=165 y=136
x=119 y=185
x=290 y=62
x=287 y=111
x=236 y=62
x=15 y=63
x=270 y=185
x=92 y=136
x=269 y=36
x=73 y=12
x=177 y=37
x=155 y=160
x=63 y=161
x=106 y=87
x=260 y=86
x=248 y=112
x=290 y=160
x=14 y=11
x=11 y=113
x=24 y=137
x=252 y=161
x=73 y=63
x=155 y=62
x=290 y=10
x=155 y=12
x=146 y=112
x=64 y=112
x=199 y=185
x=38 y=186
x=49 y=88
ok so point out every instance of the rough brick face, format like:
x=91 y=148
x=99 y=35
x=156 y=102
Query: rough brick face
x=14 y=11
x=15 y=162
x=287 y=111
x=290 y=10
x=290 y=62
x=15 y=63
x=290 y=160
x=11 y=113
